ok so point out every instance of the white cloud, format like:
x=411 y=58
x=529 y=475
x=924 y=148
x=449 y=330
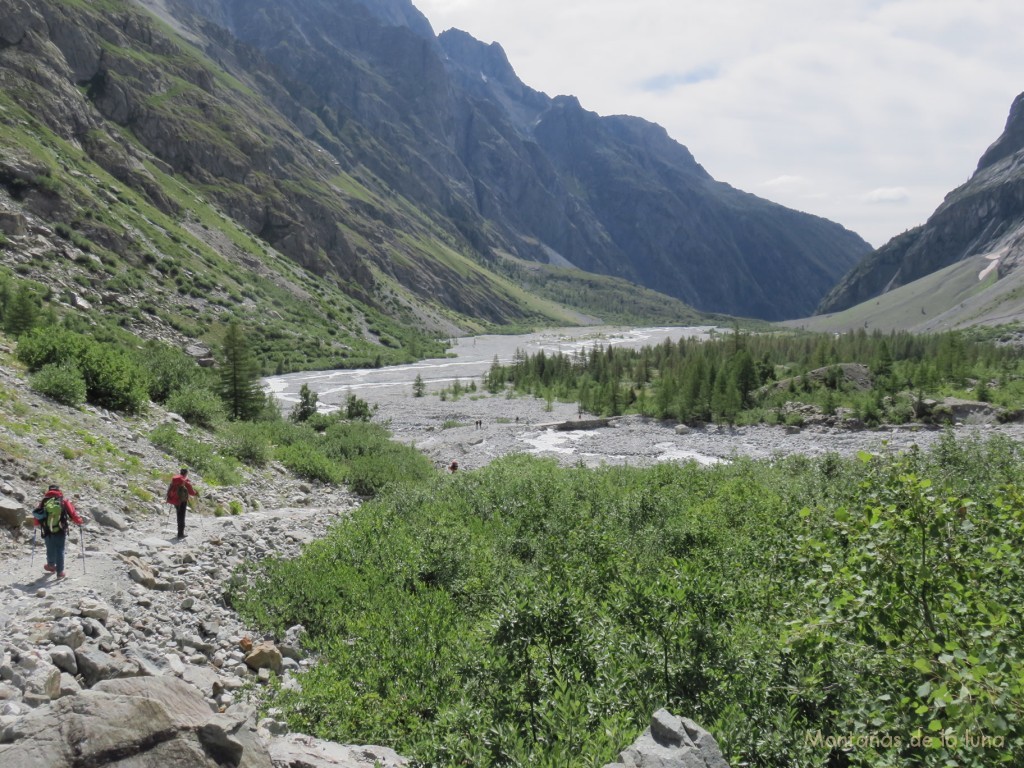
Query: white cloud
x=860 y=95
x=887 y=196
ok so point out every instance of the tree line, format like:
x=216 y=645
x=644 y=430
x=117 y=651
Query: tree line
x=742 y=376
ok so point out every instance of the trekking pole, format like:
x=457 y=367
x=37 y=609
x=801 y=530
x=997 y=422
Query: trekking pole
x=199 y=511
x=32 y=560
x=81 y=538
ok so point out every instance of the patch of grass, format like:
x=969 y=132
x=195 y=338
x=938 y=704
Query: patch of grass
x=141 y=493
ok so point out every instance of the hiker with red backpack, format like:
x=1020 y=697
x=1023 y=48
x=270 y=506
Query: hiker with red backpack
x=54 y=515
x=178 y=493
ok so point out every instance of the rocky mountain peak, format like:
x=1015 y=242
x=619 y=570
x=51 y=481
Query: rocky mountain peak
x=1012 y=139
x=472 y=54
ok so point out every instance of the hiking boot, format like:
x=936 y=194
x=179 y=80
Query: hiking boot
x=49 y=568
x=60 y=575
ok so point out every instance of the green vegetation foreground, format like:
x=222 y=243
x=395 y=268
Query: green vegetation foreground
x=807 y=612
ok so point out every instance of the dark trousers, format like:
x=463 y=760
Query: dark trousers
x=55 y=550
x=181 y=518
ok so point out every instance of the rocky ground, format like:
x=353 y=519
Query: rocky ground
x=448 y=430
x=140 y=616
x=140 y=606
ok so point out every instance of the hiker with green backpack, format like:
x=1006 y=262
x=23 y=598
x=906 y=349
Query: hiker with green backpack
x=53 y=515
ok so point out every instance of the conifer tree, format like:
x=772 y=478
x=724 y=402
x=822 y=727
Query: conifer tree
x=239 y=376
x=21 y=312
x=419 y=388
x=307 y=405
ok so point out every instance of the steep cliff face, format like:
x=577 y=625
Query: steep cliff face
x=350 y=138
x=985 y=216
x=112 y=81
x=447 y=123
x=635 y=203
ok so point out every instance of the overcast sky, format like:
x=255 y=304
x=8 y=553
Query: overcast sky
x=866 y=112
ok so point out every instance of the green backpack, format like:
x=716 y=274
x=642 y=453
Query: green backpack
x=53 y=511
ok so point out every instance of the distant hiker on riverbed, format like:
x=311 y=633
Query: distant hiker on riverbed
x=178 y=493
x=53 y=515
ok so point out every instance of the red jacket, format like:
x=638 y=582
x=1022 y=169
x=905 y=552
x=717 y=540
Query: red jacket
x=179 y=483
x=68 y=507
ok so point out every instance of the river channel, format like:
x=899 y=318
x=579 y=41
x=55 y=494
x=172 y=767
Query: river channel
x=477 y=428
x=469 y=359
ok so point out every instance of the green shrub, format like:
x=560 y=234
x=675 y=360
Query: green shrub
x=114 y=380
x=358 y=409
x=794 y=419
x=61 y=381
x=247 y=442
x=51 y=346
x=307 y=461
x=524 y=614
x=368 y=475
x=197 y=405
x=169 y=370
x=215 y=469
x=306 y=406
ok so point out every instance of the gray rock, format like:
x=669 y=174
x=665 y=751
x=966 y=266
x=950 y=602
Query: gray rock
x=63 y=657
x=68 y=685
x=672 y=742
x=110 y=519
x=12 y=512
x=67 y=632
x=296 y=749
x=139 y=723
x=9 y=692
x=13 y=224
x=142 y=575
x=203 y=679
x=265 y=656
x=94 y=665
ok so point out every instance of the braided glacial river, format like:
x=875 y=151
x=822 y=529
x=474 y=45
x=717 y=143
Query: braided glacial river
x=477 y=428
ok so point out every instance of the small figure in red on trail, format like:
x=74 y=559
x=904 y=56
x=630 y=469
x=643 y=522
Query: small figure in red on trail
x=453 y=467
x=177 y=494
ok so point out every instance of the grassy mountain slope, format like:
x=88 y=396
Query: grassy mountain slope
x=968 y=293
x=143 y=181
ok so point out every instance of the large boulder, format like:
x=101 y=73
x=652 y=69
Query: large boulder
x=12 y=512
x=672 y=742
x=94 y=665
x=265 y=656
x=152 y=722
x=296 y=750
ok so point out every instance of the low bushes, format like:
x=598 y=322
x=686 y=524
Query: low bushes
x=524 y=614
x=62 y=382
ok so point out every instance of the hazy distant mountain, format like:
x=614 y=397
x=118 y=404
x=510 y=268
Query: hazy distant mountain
x=976 y=235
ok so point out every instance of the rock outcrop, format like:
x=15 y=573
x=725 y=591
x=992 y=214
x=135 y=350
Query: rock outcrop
x=154 y=721
x=672 y=742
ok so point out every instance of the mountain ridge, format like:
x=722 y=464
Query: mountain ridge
x=984 y=217
x=476 y=161
x=176 y=164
